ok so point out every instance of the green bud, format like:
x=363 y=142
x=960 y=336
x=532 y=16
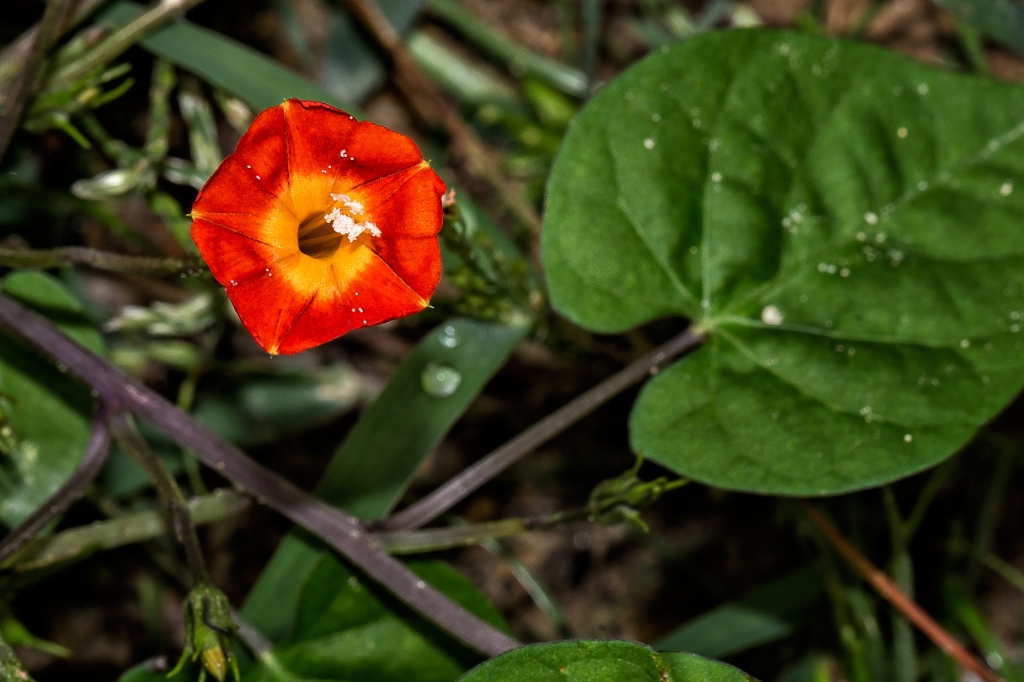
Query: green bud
x=620 y=499
x=208 y=628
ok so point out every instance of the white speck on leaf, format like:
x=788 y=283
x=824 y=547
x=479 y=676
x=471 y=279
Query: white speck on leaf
x=771 y=316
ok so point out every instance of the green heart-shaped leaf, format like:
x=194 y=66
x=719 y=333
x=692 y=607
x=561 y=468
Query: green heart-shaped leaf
x=606 y=661
x=846 y=226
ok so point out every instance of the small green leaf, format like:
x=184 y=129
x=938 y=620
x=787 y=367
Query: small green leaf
x=842 y=222
x=223 y=62
x=375 y=464
x=44 y=413
x=347 y=628
x=604 y=661
x=767 y=614
x=47 y=295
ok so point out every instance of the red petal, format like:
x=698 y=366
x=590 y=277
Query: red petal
x=230 y=255
x=371 y=297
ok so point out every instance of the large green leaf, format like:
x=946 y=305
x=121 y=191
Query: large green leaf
x=225 y=63
x=348 y=629
x=382 y=452
x=44 y=413
x=845 y=224
x=608 y=661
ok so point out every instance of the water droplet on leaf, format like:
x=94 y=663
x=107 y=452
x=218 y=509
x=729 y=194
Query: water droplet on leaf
x=449 y=337
x=440 y=380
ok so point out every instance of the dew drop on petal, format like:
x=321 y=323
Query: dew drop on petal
x=440 y=381
x=771 y=316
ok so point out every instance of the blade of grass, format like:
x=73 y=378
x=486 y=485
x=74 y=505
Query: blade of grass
x=519 y=60
x=767 y=614
x=254 y=78
x=400 y=428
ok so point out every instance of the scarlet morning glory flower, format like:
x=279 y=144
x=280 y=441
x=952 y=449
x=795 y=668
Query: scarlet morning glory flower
x=319 y=224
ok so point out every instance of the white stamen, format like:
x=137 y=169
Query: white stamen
x=350 y=204
x=344 y=225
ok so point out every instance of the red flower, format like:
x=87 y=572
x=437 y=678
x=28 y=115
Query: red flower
x=319 y=224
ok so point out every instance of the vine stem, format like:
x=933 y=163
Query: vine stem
x=895 y=596
x=45 y=37
x=94 y=258
x=128 y=437
x=341 y=531
x=130 y=528
x=448 y=495
x=433 y=107
x=69 y=493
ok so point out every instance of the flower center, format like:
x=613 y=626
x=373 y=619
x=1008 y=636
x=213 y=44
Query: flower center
x=320 y=235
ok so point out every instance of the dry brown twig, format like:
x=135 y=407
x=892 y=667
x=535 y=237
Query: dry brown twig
x=892 y=593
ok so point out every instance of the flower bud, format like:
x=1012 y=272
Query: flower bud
x=208 y=628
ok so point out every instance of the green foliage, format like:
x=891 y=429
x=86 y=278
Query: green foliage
x=840 y=221
x=220 y=61
x=44 y=413
x=607 y=661
x=999 y=19
x=400 y=429
x=348 y=629
x=766 y=615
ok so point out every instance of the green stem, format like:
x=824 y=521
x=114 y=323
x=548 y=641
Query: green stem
x=122 y=425
x=901 y=568
x=519 y=60
x=931 y=488
x=100 y=260
x=121 y=40
x=538 y=593
x=988 y=516
x=120 y=531
x=434 y=539
x=186 y=394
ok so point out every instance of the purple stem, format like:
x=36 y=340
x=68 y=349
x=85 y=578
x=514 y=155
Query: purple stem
x=340 y=530
x=448 y=495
